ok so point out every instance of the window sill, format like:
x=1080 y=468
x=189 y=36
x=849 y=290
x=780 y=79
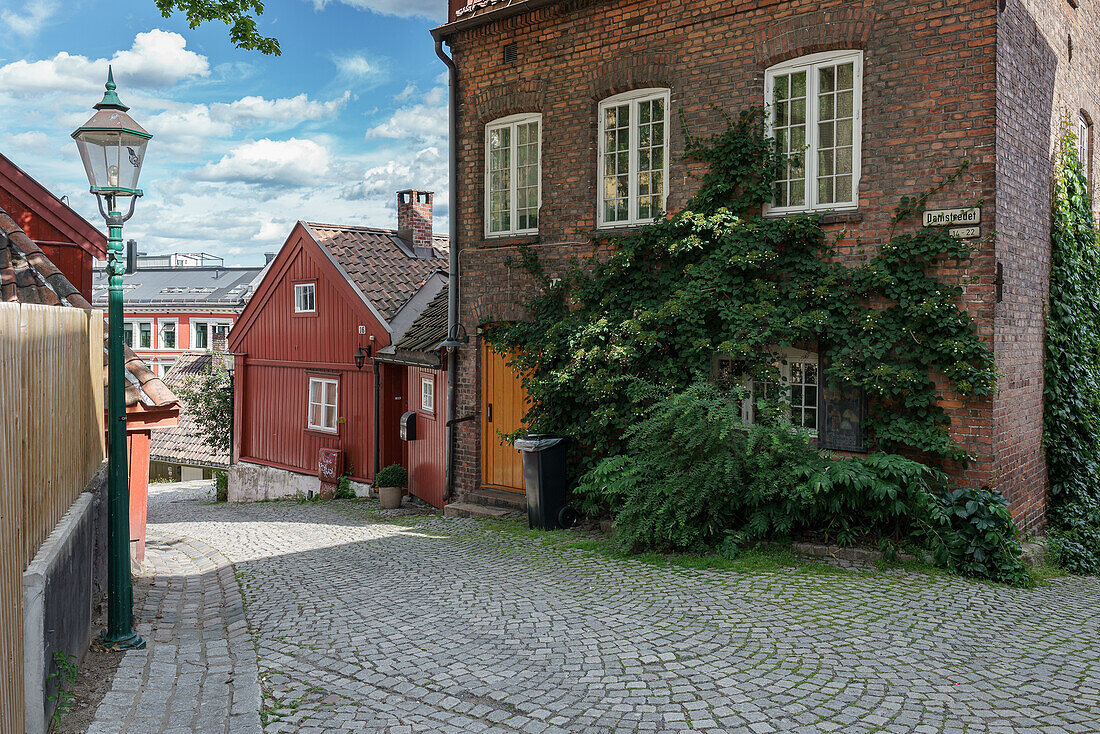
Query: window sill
x=304 y=314
x=828 y=216
x=510 y=240
x=323 y=432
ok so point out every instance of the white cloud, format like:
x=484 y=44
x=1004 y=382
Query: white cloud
x=425 y=122
x=293 y=162
x=425 y=169
x=282 y=110
x=431 y=9
x=29 y=22
x=357 y=68
x=157 y=59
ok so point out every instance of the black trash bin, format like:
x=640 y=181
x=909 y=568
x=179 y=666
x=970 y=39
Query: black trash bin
x=544 y=481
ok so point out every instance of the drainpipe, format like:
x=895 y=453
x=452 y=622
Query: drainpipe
x=452 y=262
x=377 y=417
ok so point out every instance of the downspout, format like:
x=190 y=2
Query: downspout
x=452 y=261
x=377 y=416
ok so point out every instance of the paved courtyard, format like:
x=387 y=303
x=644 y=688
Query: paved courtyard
x=425 y=624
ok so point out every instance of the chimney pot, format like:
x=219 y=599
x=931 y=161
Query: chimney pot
x=414 y=220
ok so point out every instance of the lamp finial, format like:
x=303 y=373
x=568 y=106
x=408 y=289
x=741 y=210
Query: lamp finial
x=110 y=98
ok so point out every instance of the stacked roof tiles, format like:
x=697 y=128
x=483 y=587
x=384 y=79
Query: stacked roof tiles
x=28 y=276
x=184 y=443
x=379 y=263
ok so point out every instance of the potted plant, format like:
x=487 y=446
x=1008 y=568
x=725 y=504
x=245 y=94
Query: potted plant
x=390 y=484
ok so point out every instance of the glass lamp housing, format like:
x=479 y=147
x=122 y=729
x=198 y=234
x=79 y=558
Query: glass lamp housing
x=112 y=147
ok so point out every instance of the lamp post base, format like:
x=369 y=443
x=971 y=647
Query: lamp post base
x=131 y=641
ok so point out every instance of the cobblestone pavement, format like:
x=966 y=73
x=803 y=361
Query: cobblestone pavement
x=425 y=624
x=198 y=672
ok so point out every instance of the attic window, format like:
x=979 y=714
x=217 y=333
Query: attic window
x=511 y=55
x=305 y=298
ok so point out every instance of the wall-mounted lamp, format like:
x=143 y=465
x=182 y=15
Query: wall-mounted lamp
x=456 y=338
x=361 y=356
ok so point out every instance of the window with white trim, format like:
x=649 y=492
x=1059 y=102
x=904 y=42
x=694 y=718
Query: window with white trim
x=128 y=335
x=167 y=335
x=322 y=404
x=633 y=157
x=427 y=394
x=1083 y=142
x=800 y=379
x=815 y=115
x=513 y=187
x=305 y=298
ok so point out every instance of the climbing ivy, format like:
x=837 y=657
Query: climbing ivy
x=1072 y=393
x=719 y=278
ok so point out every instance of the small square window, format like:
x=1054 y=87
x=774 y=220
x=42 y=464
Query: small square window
x=427 y=394
x=167 y=334
x=305 y=298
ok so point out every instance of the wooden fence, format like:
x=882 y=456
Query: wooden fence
x=51 y=444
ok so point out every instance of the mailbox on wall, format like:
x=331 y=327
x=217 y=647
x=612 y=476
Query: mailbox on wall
x=408 y=426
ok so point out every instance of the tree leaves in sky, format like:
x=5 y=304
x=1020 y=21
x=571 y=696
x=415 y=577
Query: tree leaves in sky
x=239 y=15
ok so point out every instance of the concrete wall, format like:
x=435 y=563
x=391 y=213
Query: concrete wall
x=61 y=586
x=250 y=482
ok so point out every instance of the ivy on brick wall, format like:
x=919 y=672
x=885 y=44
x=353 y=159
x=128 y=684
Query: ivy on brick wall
x=1072 y=415
x=719 y=279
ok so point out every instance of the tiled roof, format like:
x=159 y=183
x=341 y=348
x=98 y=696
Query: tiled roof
x=183 y=443
x=429 y=328
x=379 y=263
x=179 y=287
x=28 y=276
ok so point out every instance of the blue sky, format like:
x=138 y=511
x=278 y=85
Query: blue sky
x=244 y=144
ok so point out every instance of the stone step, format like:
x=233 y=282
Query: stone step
x=497 y=498
x=468 y=509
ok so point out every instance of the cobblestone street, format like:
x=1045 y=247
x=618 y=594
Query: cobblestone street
x=425 y=624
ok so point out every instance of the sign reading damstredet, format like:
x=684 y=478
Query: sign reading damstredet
x=965 y=224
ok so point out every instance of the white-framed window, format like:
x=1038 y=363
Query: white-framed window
x=322 y=404
x=427 y=393
x=138 y=334
x=165 y=365
x=513 y=175
x=815 y=113
x=203 y=333
x=166 y=336
x=633 y=158
x=305 y=297
x=799 y=382
x=1083 y=144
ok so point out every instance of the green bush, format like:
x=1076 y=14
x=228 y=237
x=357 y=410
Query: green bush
x=694 y=478
x=344 y=489
x=1072 y=390
x=393 y=475
x=221 y=486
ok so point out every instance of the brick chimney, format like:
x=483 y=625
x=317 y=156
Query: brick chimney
x=414 y=220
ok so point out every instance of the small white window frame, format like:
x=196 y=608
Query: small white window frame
x=634 y=97
x=194 y=343
x=135 y=325
x=810 y=64
x=1084 y=145
x=323 y=382
x=782 y=360
x=161 y=323
x=512 y=121
x=427 y=394
x=300 y=289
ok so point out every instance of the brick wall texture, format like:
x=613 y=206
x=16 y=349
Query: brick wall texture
x=944 y=82
x=414 y=216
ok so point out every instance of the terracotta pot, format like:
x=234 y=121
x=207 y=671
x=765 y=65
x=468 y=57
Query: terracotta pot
x=390 y=497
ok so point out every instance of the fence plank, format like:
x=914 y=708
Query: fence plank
x=51 y=444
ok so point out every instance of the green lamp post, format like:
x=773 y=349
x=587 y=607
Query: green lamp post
x=112 y=147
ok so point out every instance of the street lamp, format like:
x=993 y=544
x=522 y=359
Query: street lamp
x=112 y=147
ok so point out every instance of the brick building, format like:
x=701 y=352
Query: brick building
x=566 y=120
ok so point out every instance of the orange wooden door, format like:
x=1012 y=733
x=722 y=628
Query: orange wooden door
x=503 y=403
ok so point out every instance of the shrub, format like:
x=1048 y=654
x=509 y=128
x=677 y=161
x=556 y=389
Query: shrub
x=344 y=490
x=694 y=478
x=221 y=486
x=393 y=475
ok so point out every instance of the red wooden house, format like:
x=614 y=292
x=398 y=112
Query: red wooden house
x=334 y=291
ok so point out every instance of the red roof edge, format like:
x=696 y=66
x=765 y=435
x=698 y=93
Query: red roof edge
x=44 y=203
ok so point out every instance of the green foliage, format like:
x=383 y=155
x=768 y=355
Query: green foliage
x=718 y=278
x=237 y=14
x=393 y=475
x=208 y=399
x=344 y=490
x=692 y=477
x=65 y=674
x=1072 y=392
x=221 y=486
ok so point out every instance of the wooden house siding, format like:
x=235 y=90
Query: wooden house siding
x=425 y=457
x=281 y=349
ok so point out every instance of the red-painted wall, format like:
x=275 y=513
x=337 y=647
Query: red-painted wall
x=425 y=458
x=279 y=350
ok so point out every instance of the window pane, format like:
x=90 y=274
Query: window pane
x=789 y=128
